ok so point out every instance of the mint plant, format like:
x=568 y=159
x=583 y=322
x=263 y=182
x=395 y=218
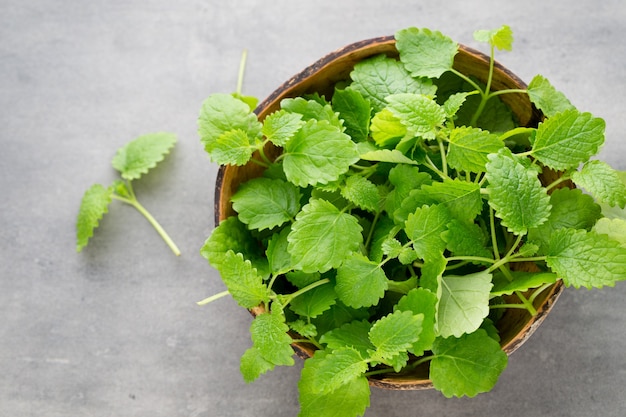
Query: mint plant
x=387 y=233
x=132 y=161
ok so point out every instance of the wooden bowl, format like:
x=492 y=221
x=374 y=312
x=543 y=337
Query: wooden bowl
x=516 y=325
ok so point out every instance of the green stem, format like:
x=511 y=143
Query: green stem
x=133 y=202
x=305 y=289
x=311 y=341
x=516 y=131
x=557 y=182
x=508 y=91
x=529 y=306
x=213 y=298
x=485 y=96
x=494 y=239
x=242 y=68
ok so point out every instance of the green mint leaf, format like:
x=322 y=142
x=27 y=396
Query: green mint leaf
x=360 y=282
x=432 y=271
x=251 y=101
x=348 y=400
x=468 y=148
x=495 y=118
x=318 y=154
x=354 y=335
x=233 y=235
x=264 y=203
x=613 y=228
x=242 y=280
x=388 y=155
x=362 y=193
x=522 y=281
x=231 y=148
x=337 y=368
x=392 y=247
x=338 y=315
x=280 y=126
x=269 y=336
x=421 y=301
x=355 y=111
x=425 y=53
x=570 y=209
x=302 y=279
x=223 y=113
x=463 y=304
x=416 y=199
x=253 y=365
x=386 y=129
x=462 y=198
x=586 y=259
x=278 y=257
x=314 y=302
x=322 y=237
x=93 y=206
x=567 y=139
x=419 y=113
x=516 y=194
x=314 y=109
x=546 y=98
x=138 y=156
x=378 y=77
x=603 y=182
x=453 y=103
x=464 y=238
x=501 y=38
x=468 y=365
x=395 y=333
x=383 y=229
x=424 y=228
x=302 y=328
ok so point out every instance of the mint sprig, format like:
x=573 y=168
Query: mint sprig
x=389 y=232
x=132 y=161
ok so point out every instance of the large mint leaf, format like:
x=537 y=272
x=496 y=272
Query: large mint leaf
x=355 y=111
x=140 y=155
x=278 y=257
x=421 y=301
x=312 y=109
x=269 y=336
x=464 y=238
x=468 y=365
x=348 y=400
x=318 y=154
x=586 y=259
x=425 y=53
x=613 y=228
x=463 y=303
x=264 y=203
x=360 y=282
x=322 y=237
x=567 y=139
x=516 y=194
x=280 y=126
x=94 y=205
x=603 y=182
x=379 y=77
x=546 y=98
x=419 y=113
x=395 y=333
x=354 y=334
x=337 y=368
x=468 y=148
x=223 y=113
x=314 y=302
x=424 y=228
x=242 y=280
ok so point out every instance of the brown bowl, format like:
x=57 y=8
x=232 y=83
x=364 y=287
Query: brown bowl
x=516 y=325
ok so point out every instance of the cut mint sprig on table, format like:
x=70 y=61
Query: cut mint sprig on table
x=132 y=161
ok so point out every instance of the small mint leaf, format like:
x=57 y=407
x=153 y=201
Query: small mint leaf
x=425 y=53
x=360 y=282
x=546 y=98
x=140 y=155
x=465 y=238
x=231 y=148
x=395 y=333
x=355 y=111
x=362 y=192
x=515 y=193
x=462 y=198
x=419 y=113
x=586 y=259
x=386 y=129
x=387 y=155
x=314 y=109
x=501 y=38
x=269 y=336
x=453 y=103
x=253 y=365
x=302 y=328
x=567 y=139
x=242 y=280
x=279 y=259
x=322 y=237
x=468 y=148
x=336 y=369
x=424 y=228
x=378 y=77
x=93 y=206
x=468 y=365
x=603 y=182
x=264 y=203
x=423 y=302
x=318 y=154
x=354 y=334
x=280 y=126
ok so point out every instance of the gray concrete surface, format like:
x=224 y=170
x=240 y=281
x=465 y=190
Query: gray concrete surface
x=114 y=330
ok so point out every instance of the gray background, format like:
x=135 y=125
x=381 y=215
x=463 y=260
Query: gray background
x=114 y=330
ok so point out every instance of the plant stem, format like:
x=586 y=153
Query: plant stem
x=516 y=131
x=242 y=68
x=305 y=289
x=485 y=96
x=213 y=298
x=133 y=202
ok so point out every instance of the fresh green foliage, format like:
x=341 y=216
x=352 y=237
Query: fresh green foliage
x=391 y=226
x=132 y=161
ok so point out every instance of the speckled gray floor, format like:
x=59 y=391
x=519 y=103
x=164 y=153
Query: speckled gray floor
x=114 y=330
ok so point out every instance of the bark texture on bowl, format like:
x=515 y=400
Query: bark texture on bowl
x=515 y=325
